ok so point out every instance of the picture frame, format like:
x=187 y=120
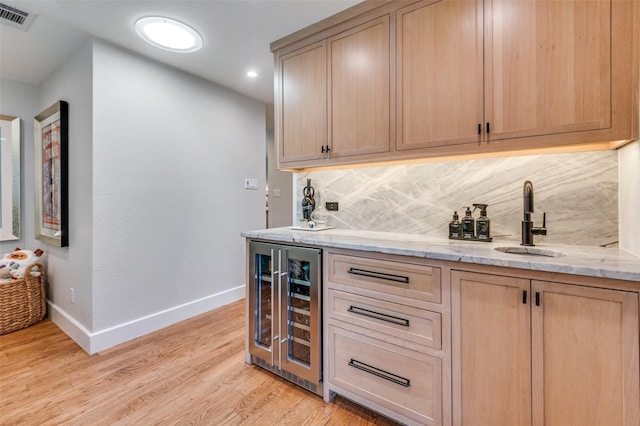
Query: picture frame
x=51 y=134
x=10 y=144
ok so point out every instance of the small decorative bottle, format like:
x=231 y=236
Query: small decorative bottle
x=455 y=228
x=468 y=225
x=320 y=215
x=483 y=224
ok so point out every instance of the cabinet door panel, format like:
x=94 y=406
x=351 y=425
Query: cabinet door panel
x=548 y=67
x=585 y=356
x=360 y=94
x=304 y=104
x=439 y=74
x=491 y=348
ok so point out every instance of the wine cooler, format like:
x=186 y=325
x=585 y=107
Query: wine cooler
x=284 y=312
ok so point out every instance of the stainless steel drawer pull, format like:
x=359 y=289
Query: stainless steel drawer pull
x=380 y=275
x=379 y=316
x=399 y=380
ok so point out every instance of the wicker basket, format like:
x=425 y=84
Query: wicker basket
x=23 y=301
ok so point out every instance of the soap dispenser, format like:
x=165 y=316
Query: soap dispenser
x=483 y=223
x=468 y=225
x=455 y=228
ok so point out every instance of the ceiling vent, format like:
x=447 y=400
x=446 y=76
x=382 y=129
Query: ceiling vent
x=15 y=17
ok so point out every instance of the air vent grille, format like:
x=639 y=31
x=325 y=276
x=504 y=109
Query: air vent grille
x=15 y=17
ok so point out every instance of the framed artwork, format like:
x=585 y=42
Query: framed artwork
x=51 y=133
x=10 y=141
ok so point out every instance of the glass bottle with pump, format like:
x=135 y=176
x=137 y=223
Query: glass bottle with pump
x=483 y=223
x=455 y=227
x=468 y=225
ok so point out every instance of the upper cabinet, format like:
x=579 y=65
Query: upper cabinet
x=411 y=79
x=359 y=82
x=333 y=97
x=548 y=67
x=439 y=79
x=303 y=103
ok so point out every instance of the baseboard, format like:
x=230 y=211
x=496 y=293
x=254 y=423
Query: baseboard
x=104 y=339
x=70 y=326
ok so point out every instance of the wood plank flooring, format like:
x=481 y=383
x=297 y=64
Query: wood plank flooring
x=192 y=373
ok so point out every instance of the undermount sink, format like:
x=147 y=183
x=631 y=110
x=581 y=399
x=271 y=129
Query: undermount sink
x=534 y=251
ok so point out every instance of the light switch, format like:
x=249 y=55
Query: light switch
x=276 y=193
x=250 y=183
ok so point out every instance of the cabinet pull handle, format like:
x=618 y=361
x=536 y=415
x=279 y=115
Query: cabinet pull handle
x=325 y=148
x=322 y=149
x=380 y=275
x=479 y=128
x=399 y=380
x=537 y=298
x=488 y=128
x=524 y=296
x=379 y=316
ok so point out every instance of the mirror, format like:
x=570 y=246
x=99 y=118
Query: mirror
x=9 y=178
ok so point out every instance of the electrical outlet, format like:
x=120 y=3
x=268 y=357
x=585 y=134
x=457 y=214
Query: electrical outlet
x=332 y=206
x=72 y=293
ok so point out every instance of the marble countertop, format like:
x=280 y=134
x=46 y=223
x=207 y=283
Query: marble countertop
x=579 y=260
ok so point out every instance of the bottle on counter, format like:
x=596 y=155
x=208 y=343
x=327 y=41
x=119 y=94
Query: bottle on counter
x=483 y=223
x=308 y=202
x=455 y=227
x=468 y=225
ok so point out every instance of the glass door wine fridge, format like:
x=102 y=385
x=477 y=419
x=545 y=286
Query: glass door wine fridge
x=284 y=312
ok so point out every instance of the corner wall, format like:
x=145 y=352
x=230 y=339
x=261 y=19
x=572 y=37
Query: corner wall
x=71 y=267
x=170 y=154
x=629 y=158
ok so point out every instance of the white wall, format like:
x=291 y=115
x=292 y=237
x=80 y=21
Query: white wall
x=170 y=152
x=70 y=267
x=157 y=161
x=21 y=100
x=629 y=169
x=280 y=212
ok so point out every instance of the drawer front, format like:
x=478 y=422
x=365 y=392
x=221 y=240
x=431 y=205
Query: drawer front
x=402 y=279
x=399 y=321
x=407 y=382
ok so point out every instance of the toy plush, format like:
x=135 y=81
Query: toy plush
x=16 y=262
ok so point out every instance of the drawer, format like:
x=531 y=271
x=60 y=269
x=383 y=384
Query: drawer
x=397 y=321
x=407 y=382
x=394 y=277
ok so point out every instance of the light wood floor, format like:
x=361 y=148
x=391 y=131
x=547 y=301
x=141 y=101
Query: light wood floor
x=190 y=373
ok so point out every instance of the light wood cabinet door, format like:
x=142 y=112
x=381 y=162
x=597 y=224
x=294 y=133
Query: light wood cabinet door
x=585 y=356
x=548 y=67
x=491 y=350
x=359 y=81
x=439 y=74
x=303 y=104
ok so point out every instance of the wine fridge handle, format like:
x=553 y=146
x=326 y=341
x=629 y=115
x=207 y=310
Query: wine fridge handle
x=280 y=308
x=273 y=302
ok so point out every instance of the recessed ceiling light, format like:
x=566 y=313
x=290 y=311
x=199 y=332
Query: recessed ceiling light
x=168 y=34
x=252 y=74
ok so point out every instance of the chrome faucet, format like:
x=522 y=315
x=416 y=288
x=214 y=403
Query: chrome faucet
x=528 y=230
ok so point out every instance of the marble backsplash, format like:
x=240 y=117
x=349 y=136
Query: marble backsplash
x=578 y=191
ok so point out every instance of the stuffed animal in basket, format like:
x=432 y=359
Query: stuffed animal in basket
x=15 y=264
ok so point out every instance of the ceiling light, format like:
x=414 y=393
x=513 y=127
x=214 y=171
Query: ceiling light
x=168 y=34
x=252 y=74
